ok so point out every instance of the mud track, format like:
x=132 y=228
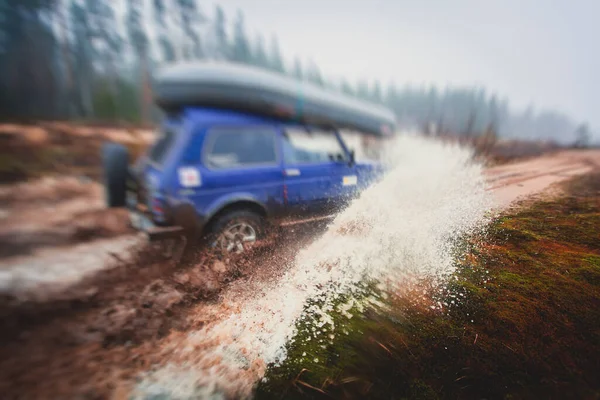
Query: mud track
x=106 y=328
x=102 y=328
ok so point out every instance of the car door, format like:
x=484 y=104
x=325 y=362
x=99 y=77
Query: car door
x=239 y=163
x=316 y=170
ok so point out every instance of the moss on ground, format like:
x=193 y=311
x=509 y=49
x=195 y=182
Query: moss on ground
x=520 y=319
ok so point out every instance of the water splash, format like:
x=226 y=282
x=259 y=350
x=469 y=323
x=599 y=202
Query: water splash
x=400 y=229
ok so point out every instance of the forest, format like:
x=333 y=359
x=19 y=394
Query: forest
x=93 y=60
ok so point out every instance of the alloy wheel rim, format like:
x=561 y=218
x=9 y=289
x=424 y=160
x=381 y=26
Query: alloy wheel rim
x=236 y=238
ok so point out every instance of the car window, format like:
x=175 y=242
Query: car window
x=161 y=147
x=303 y=147
x=237 y=147
x=367 y=148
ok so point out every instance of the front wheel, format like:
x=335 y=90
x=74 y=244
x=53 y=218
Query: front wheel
x=236 y=231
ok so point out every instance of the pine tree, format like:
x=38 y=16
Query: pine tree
x=362 y=90
x=82 y=58
x=313 y=74
x=135 y=29
x=167 y=49
x=29 y=59
x=106 y=41
x=220 y=34
x=260 y=58
x=160 y=13
x=4 y=23
x=139 y=41
x=190 y=16
x=107 y=46
x=297 y=72
x=241 y=45
x=582 y=136
x=346 y=88
x=275 y=58
x=69 y=87
x=376 y=95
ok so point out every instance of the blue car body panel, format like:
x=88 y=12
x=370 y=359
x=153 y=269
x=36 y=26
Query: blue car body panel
x=277 y=189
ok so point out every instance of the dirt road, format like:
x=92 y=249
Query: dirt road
x=106 y=321
x=519 y=181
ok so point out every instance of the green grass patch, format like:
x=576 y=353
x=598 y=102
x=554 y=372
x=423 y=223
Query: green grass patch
x=520 y=319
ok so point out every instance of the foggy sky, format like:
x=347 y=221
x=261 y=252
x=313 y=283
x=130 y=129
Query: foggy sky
x=541 y=52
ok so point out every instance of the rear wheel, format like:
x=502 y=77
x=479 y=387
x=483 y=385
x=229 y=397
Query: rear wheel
x=236 y=231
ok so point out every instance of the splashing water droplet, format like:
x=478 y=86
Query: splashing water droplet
x=400 y=228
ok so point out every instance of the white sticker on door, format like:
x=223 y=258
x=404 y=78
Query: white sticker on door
x=350 y=180
x=292 y=172
x=189 y=177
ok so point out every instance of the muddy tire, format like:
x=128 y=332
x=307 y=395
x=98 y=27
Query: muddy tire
x=236 y=231
x=115 y=162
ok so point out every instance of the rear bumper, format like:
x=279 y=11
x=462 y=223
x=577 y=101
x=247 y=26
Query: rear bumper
x=144 y=224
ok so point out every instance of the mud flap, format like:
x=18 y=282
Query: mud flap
x=176 y=248
x=174 y=235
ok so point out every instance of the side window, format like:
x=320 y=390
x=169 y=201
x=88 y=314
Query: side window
x=302 y=147
x=238 y=147
x=161 y=147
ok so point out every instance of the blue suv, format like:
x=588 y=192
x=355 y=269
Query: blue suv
x=222 y=173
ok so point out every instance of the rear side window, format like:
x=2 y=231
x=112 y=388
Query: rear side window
x=161 y=147
x=239 y=147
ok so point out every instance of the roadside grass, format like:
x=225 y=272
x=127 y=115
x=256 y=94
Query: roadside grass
x=519 y=319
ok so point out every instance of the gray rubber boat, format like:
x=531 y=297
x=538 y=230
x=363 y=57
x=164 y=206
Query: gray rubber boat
x=253 y=90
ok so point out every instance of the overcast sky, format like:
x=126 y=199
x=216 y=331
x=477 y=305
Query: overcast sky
x=541 y=52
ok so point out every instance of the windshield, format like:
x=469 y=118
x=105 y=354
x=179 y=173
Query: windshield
x=310 y=147
x=367 y=148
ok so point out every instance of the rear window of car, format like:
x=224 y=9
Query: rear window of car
x=235 y=147
x=160 y=149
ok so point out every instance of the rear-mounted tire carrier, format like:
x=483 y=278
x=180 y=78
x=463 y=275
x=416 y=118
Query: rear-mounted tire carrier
x=115 y=162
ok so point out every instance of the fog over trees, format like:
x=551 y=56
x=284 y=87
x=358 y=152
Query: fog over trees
x=93 y=60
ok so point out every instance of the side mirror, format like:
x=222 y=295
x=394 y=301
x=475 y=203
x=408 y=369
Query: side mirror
x=352 y=157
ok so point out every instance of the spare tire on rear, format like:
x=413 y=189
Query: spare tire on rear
x=115 y=162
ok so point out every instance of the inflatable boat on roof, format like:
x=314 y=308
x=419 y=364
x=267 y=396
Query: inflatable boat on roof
x=253 y=90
